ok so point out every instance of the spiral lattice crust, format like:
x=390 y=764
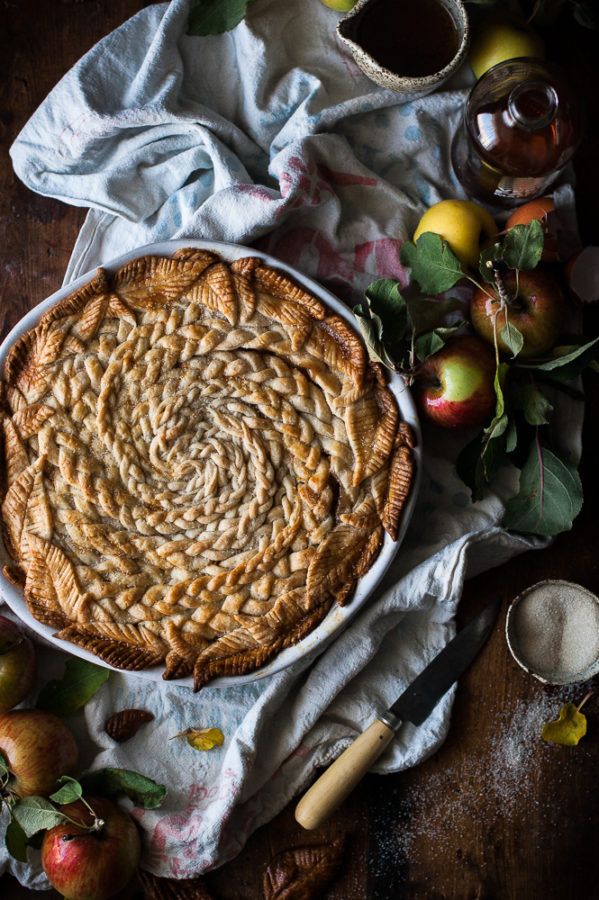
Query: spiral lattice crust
x=198 y=461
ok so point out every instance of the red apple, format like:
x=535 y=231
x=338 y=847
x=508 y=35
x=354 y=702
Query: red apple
x=91 y=865
x=455 y=386
x=17 y=664
x=39 y=748
x=542 y=209
x=537 y=310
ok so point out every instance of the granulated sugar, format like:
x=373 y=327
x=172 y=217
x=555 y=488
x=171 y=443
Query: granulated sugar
x=555 y=630
x=499 y=783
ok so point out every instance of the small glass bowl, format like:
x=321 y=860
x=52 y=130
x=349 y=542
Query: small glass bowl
x=512 y=640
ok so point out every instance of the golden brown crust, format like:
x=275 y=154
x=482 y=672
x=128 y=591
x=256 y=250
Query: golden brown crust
x=198 y=460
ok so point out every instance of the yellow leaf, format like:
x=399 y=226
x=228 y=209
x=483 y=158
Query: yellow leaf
x=202 y=738
x=568 y=729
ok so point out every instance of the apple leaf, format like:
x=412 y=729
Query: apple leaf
x=496 y=428
x=523 y=246
x=470 y=468
x=549 y=498
x=512 y=338
x=520 y=248
x=371 y=329
x=479 y=461
x=486 y=259
x=4 y=770
x=568 y=729
x=385 y=301
x=215 y=16
x=16 y=841
x=499 y=422
x=35 y=814
x=426 y=313
x=69 y=791
x=434 y=265
x=511 y=437
x=111 y=782
x=570 y=362
x=79 y=683
x=534 y=404
x=431 y=342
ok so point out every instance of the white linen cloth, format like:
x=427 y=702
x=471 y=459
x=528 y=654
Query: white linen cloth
x=270 y=132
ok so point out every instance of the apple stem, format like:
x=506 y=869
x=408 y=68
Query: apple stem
x=97 y=825
x=499 y=271
x=584 y=700
x=480 y=286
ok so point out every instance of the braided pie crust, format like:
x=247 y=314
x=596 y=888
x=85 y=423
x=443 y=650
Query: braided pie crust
x=199 y=460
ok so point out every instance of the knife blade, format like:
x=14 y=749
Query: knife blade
x=414 y=705
x=422 y=695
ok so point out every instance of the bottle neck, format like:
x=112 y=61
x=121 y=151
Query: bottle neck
x=533 y=104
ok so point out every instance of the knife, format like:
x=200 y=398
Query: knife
x=414 y=705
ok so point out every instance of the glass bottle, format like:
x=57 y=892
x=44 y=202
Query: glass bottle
x=521 y=126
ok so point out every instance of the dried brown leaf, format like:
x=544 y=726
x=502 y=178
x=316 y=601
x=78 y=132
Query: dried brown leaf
x=124 y=724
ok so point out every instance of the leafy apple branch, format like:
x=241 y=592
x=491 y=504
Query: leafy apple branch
x=402 y=329
x=32 y=815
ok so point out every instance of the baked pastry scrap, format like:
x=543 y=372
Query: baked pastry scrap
x=199 y=460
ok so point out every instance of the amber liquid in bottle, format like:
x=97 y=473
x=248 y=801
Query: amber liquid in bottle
x=522 y=125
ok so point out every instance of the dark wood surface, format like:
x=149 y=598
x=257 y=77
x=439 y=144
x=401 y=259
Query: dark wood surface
x=495 y=813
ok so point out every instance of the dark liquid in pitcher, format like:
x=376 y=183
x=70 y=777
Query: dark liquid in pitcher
x=409 y=37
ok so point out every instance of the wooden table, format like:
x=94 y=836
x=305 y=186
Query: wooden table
x=495 y=814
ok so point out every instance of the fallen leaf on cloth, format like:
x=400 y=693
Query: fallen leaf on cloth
x=202 y=738
x=302 y=873
x=125 y=724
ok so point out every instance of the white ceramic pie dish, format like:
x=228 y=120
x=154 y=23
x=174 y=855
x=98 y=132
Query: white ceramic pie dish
x=338 y=617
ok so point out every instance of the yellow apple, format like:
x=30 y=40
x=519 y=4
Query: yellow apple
x=340 y=5
x=498 y=41
x=462 y=224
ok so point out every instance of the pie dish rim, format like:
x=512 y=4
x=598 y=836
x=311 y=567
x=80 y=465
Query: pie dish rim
x=338 y=616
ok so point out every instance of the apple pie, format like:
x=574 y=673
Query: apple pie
x=199 y=461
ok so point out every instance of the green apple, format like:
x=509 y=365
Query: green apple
x=498 y=41
x=340 y=5
x=463 y=224
x=454 y=387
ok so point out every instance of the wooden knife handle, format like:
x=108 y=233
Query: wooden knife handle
x=341 y=777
